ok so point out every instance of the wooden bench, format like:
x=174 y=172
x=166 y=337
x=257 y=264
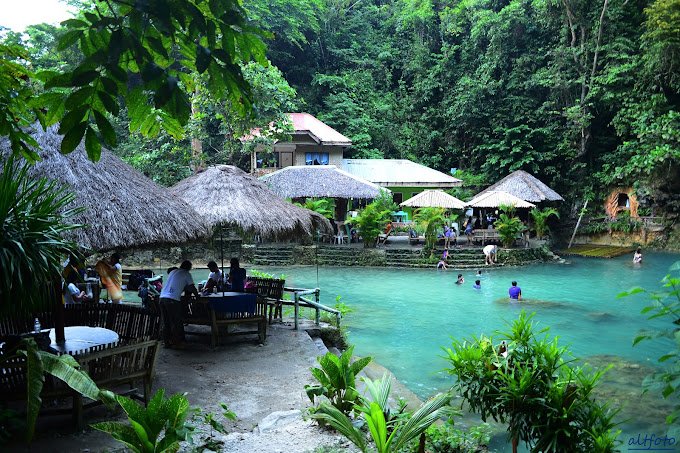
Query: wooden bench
x=271 y=289
x=200 y=313
x=109 y=367
x=483 y=236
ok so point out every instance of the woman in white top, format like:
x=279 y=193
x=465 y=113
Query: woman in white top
x=215 y=279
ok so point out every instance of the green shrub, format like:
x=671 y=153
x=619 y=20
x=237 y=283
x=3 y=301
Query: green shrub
x=530 y=384
x=336 y=377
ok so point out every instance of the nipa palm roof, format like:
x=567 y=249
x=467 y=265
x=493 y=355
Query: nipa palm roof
x=525 y=186
x=315 y=181
x=226 y=195
x=123 y=208
x=494 y=199
x=434 y=199
x=398 y=173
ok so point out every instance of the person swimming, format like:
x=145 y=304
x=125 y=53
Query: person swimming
x=477 y=285
x=460 y=279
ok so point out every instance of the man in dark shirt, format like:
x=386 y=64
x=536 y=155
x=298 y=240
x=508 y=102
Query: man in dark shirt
x=515 y=291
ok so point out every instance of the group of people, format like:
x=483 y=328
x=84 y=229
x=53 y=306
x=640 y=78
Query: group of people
x=514 y=292
x=110 y=273
x=181 y=284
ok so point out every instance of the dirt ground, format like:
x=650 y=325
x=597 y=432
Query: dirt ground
x=262 y=384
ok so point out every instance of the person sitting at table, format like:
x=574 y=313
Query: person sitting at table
x=215 y=279
x=74 y=295
x=111 y=274
x=179 y=281
x=237 y=276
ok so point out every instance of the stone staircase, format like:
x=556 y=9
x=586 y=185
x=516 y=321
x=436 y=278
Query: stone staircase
x=458 y=259
x=339 y=256
x=273 y=256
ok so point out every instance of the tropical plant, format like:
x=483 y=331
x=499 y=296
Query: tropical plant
x=540 y=218
x=446 y=438
x=337 y=380
x=323 y=206
x=431 y=221
x=508 y=228
x=371 y=221
x=531 y=384
x=665 y=304
x=34 y=214
x=389 y=433
x=162 y=48
x=166 y=417
x=509 y=209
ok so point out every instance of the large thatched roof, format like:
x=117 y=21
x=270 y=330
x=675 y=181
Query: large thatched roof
x=227 y=195
x=315 y=181
x=525 y=186
x=124 y=208
x=434 y=199
x=495 y=199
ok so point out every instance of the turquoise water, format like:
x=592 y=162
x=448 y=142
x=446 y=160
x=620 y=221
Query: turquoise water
x=403 y=317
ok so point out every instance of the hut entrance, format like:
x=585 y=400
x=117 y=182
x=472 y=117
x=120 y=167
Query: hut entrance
x=622 y=201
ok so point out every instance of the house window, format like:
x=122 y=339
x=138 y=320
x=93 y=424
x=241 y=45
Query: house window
x=397 y=197
x=316 y=159
x=623 y=201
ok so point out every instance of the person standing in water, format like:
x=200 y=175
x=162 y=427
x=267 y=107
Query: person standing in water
x=477 y=285
x=637 y=257
x=515 y=292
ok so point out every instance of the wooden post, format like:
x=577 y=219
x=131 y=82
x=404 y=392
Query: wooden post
x=318 y=311
x=297 y=309
x=58 y=311
x=578 y=223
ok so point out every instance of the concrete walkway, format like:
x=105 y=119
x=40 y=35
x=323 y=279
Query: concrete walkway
x=254 y=381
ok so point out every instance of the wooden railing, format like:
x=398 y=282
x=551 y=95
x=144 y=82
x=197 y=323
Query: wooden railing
x=300 y=300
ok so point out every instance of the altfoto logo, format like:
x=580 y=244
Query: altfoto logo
x=652 y=442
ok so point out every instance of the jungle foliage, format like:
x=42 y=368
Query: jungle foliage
x=568 y=90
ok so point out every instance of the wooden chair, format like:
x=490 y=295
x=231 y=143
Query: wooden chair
x=271 y=289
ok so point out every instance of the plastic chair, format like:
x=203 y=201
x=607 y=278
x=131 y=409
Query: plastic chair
x=340 y=238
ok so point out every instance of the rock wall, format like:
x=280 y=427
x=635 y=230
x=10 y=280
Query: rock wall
x=620 y=239
x=518 y=257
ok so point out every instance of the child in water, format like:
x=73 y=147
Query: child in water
x=460 y=280
x=477 y=285
x=637 y=258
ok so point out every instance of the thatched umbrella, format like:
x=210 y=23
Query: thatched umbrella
x=525 y=186
x=123 y=208
x=316 y=181
x=494 y=199
x=434 y=199
x=226 y=195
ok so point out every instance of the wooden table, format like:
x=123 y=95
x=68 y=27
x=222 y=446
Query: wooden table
x=228 y=308
x=82 y=338
x=231 y=302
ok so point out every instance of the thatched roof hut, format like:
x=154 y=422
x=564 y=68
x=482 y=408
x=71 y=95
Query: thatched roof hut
x=525 y=186
x=123 y=208
x=226 y=195
x=494 y=199
x=434 y=199
x=316 y=181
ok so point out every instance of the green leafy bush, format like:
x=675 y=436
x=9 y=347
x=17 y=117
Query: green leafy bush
x=665 y=304
x=371 y=221
x=508 y=228
x=540 y=218
x=529 y=383
x=445 y=438
x=389 y=431
x=337 y=380
x=159 y=427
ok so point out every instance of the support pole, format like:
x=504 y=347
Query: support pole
x=297 y=309
x=578 y=223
